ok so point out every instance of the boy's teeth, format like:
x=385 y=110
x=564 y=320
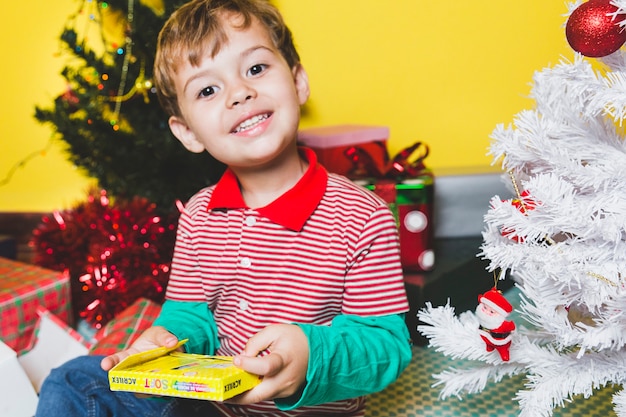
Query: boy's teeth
x=251 y=122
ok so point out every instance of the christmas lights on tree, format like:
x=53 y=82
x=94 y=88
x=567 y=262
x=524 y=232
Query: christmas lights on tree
x=562 y=239
x=117 y=245
x=109 y=116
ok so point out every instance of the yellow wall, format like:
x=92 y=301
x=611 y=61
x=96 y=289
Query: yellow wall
x=441 y=72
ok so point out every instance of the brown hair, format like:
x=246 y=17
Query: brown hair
x=197 y=27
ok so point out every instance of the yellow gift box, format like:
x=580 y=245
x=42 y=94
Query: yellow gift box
x=167 y=372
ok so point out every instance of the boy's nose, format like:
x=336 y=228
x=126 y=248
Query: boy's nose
x=241 y=101
x=241 y=94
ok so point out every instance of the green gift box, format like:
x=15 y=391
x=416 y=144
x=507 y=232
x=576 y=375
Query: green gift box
x=411 y=201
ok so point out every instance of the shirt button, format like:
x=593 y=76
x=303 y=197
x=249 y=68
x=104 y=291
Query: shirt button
x=243 y=305
x=245 y=262
x=250 y=221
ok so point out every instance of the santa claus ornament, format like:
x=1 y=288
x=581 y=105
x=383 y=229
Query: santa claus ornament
x=492 y=311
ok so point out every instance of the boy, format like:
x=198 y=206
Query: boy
x=293 y=271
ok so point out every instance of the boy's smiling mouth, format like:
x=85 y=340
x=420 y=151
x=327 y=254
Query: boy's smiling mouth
x=251 y=122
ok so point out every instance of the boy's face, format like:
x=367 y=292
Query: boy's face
x=243 y=104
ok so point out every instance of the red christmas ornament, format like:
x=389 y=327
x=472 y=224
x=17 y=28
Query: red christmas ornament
x=524 y=204
x=70 y=100
x=593 y=30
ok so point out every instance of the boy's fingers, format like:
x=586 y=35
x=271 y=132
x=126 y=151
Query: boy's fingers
x=150 y=339
x=264 y=366
x=166 y=339
x=110 y=361
x=258 y=343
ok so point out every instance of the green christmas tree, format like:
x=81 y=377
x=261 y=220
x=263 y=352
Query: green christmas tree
x=117 y=249
x=110 y=117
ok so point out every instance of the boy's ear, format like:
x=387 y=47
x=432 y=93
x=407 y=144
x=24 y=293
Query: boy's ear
x=302 y=83
x=182 y=132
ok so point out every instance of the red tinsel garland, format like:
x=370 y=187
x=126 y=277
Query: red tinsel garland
x=115 y=252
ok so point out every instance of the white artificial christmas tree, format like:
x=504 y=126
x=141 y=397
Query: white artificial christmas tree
x=563 y=239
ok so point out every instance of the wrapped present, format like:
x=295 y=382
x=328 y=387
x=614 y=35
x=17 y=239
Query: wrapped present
x=17 y=396
x=55 y=343
x=24 y=288
x=122 y=331
x=411 y=201
x=331 y=142
x=408 y=188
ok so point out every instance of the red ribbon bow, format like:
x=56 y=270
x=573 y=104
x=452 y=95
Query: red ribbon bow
x=403 y=165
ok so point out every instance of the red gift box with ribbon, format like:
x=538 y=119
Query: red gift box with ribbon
x=408 y=188
x=331 y=142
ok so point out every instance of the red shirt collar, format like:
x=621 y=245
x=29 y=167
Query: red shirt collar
x=292 y=209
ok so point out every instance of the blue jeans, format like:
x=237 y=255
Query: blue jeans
x=80 y=388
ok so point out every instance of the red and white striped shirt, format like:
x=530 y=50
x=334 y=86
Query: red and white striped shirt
x=324 y=248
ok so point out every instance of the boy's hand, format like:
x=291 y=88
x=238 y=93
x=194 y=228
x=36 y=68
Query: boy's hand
x=283 y=370
x=151 y=338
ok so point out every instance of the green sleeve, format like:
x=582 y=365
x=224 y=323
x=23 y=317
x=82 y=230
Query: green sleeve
x=354 y=356
x=193 y=321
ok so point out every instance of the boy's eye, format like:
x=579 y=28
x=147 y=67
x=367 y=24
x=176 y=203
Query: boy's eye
x=207 y=92
x=257 y=69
